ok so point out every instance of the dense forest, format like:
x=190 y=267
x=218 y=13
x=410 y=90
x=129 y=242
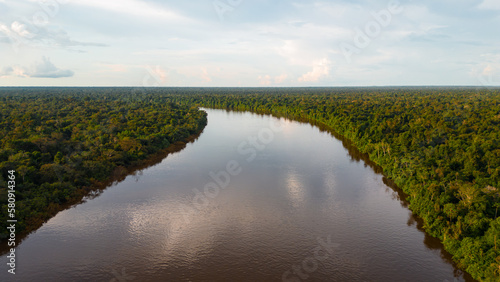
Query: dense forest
x=440 y=145
x=63 y=143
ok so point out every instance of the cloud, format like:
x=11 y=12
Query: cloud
x=488 y=71
x=49 y=70
x=320 y=70
x=28 y=34
x=267 y=80
x=280 y=79
x=132 y=7
x=44 y=69
x=490 y=4
x=13 y=71
x=6 y=71
x=156 y=76
x=205 y=76
x=264 y=80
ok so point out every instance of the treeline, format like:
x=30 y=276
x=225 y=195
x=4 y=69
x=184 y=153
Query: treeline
x=60 y=141
x=440 y=145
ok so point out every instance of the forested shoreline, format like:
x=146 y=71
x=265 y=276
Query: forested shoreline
x=441 y=146
x=64 y=143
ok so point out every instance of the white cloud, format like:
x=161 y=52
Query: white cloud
x=280 y=78
x=48 y=70
x=265 y=80
x=43 y=69
x=28 y=35
x=156 y=76
x=320 y=70
x=205 y=76
x=487 y=71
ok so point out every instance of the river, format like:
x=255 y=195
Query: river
x=254 y=198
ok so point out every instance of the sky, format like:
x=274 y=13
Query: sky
x=249 y=43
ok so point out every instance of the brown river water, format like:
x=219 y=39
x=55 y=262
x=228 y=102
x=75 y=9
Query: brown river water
x=254 y=198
